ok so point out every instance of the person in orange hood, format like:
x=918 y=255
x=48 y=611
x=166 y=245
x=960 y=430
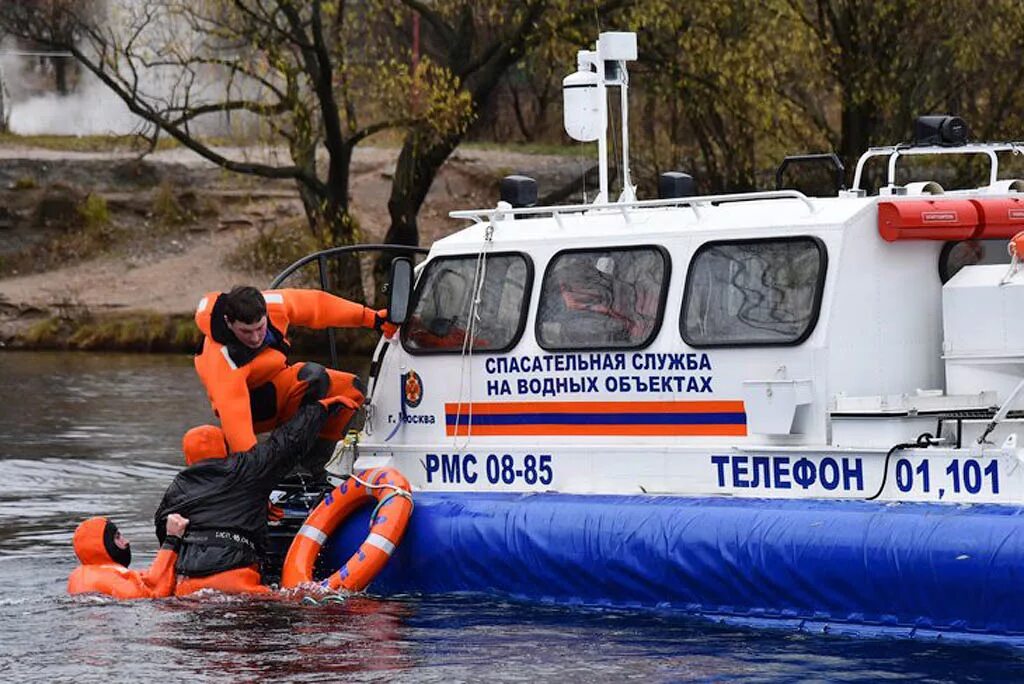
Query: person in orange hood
x=105 y=554
x=244 y=366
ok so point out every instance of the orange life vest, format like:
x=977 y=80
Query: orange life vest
x=229 y=370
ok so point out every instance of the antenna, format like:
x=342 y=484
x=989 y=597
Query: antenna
x=585 y=112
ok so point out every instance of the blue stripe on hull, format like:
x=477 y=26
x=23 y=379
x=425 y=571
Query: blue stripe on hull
x=859 y=566
x=598 y=419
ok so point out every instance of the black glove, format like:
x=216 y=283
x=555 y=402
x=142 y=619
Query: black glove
x=317 y=382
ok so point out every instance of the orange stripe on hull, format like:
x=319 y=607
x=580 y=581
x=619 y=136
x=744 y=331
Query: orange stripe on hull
x=598 y=430
x=494 y=408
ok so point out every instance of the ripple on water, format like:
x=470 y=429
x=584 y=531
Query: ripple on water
x=99 y=434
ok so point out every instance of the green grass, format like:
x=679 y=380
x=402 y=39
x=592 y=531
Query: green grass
x=133 y=143
x=97 y=143
x=95 y=215
x=82 y=143
x=147 y=331
x=553 y=149
x=143 y=331
x=166 y=208
x=42 y=333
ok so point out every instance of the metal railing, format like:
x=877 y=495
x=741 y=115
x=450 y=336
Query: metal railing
x=894 y=153
x=693 y=203
x=321 y=258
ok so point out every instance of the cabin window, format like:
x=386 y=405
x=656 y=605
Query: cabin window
x=956 y=255
x=440 y=320
x=753 y=292
x=602 y=299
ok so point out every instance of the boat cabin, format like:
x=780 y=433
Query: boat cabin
x=757 y=344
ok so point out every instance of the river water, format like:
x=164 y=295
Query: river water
x=89 y=434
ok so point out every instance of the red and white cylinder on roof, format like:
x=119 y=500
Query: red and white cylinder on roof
x=951 y=219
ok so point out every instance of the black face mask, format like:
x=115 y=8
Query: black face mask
x=122 y=556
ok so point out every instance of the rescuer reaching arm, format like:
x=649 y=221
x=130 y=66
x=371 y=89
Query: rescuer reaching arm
x=244 y=366
x=225 y=498
x=105 y=554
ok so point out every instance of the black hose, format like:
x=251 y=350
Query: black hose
x=923 y=442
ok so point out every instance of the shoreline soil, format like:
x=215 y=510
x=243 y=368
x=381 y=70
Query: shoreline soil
x=103 y=251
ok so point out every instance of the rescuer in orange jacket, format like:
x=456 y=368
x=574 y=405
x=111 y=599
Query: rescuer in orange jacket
x=243 y=362
x=105 y=554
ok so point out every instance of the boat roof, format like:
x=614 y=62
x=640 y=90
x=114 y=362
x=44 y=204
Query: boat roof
x=659 y=220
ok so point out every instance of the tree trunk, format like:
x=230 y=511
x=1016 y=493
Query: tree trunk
x=345 y=276
x=332 y=226
x=859 y=121
x=341 y=228
x=4 y=105
x=423 y=153
x=60 y=74
x=421 y=156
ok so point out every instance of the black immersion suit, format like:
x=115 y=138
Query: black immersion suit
x=225 y=499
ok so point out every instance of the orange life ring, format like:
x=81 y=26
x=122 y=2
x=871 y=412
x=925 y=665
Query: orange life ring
x=390 y=490
x=1016 y=246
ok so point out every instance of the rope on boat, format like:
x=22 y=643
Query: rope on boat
x=398 y=491
x=479 y=277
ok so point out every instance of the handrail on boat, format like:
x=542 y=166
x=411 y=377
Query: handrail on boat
x=694 y=203
x=322 y=255
x=321 y=259
x=894 y=152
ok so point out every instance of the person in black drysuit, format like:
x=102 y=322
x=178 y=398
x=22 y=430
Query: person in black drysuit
x=225 y=499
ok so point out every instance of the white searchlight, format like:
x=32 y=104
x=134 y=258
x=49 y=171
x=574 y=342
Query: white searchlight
x=581 y=110
x=585 y=104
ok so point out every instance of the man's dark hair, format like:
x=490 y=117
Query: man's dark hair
x=244 y=303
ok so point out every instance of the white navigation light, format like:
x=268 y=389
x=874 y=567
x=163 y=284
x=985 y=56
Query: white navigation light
x=581 y=109
x=616 y=46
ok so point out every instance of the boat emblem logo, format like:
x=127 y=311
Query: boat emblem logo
x=413 y=388
x=1016 y=214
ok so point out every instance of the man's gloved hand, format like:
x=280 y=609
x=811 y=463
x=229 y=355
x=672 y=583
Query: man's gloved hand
x=381 y=325
x=176 y=525
x=274 y=513
x=336 y=403
x=318 y=382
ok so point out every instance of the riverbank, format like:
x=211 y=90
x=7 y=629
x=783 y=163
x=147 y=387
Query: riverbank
x=101 y=250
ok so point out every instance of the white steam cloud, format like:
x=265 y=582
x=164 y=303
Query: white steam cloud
x=92 y=108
